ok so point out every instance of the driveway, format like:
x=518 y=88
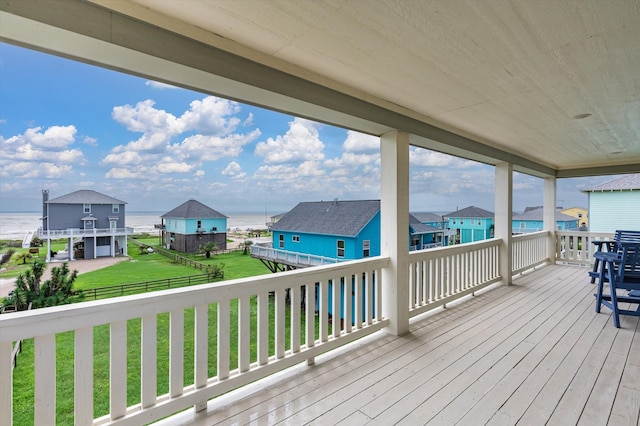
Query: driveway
x=82 y=266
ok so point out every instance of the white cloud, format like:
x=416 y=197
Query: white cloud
x=359 y=142
x=212 y=116
x=123 y=158
x=122 y=173
x=210 y=148
x=157 y=126
x=158 y=85
x=173 y=167
x=300 y=143
x=234 y=171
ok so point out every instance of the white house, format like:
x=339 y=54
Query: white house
x=615 y=205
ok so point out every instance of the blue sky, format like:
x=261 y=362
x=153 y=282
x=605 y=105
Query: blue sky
x=66 y=126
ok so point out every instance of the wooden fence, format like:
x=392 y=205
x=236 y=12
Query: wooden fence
x=143 y=287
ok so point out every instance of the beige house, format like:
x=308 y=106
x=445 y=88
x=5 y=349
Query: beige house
x=579 y=213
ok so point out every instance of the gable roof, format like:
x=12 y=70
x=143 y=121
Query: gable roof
x=427 y=217
x=193 y=209
x=85 y=196
x=346 y=218
x=628 y=182
x=470 y=212
x=417 y=227
x=537 y=214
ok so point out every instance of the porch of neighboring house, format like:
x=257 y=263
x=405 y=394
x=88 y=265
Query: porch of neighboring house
x=530 y=353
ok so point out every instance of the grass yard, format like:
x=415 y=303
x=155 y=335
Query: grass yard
x=141 y=267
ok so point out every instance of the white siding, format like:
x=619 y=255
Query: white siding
x=609 y=211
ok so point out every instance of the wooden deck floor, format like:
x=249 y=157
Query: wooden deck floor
x=533 y=353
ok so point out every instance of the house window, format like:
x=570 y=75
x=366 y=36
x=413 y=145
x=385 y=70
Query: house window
x=281 y=240
x=340 y=248
x=86 y=208
x=522 y=225
x=479 y=222
x=579 y=215
x=199 y=226
x=461 y=222
x=454 y=221
x=115 y=208
x=295 y=238
x=366 y=248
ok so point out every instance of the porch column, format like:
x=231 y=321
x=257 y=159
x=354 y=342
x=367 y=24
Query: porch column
x=503 y=218
x=394 y=232
x=549 y=217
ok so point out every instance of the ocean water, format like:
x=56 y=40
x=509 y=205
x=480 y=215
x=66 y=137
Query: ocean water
x=14 y=226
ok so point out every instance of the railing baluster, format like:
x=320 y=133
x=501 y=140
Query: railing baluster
x=118 y=369
x=244 y=333
x=294 y=302
x=83 y=376
x=6 y=384
x=201 y=344
x=224 y=325
x=45 y=379
x=263 y=328
x=176 y=353
x=280 y=308
x=149 y=360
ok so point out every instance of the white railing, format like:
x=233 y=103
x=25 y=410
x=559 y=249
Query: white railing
x=528 y=251
x=208 y=312
x=576 y=247
x=442 y=275
x=290 y=257
x=78 y=232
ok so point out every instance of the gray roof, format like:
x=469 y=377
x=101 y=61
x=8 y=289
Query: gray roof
x=420 y=228
x=427 y=217
x=627 y=182
x=470 y=212
x=193 y=209
x=85 y=196
x=346 y=218
x=537 y=214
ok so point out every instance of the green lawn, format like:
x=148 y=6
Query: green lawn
x=141 y=267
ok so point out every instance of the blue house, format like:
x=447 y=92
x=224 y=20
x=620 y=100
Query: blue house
x=532 y=221
x=471 y=224
x=341 y=230
x=191 y=225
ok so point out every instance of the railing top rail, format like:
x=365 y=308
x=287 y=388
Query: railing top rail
x=531 y=235
x=47 y=321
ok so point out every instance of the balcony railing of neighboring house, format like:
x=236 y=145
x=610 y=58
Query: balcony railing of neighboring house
x=425 y=246
x=436 y=277
x=78 y=232
x=265 y=251
x=576 y=247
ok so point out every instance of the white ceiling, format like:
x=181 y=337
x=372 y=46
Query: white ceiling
x=556 y=82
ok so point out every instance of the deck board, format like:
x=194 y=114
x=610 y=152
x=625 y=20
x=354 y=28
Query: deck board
x=531 y=353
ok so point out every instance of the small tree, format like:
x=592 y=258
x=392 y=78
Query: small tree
x=58 y=290
x=24 y=257
x=208 y=247
x=246 y=245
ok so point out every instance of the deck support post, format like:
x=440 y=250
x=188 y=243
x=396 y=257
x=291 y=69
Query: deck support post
x=394 y=224
x=549 y=217
x=503 y=217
